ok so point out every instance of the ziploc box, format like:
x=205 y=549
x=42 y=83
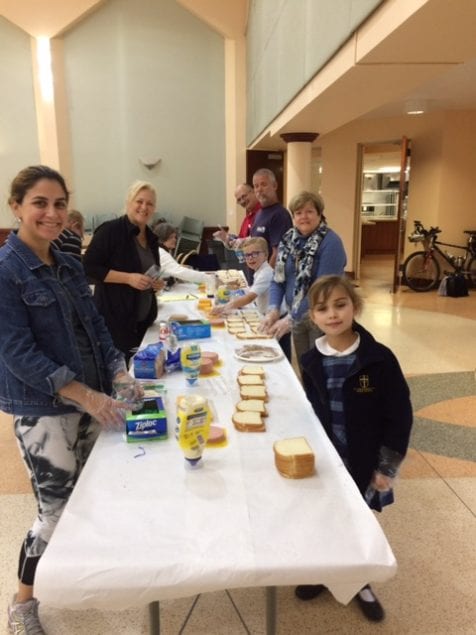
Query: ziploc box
x=191 y=329
x=149 y=423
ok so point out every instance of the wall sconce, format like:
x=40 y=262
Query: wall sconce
x=149 y=163
x=416 y=106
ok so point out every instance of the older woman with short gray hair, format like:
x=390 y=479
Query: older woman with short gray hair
x=308 y=250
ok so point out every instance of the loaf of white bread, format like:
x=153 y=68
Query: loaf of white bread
x=294 y=457
x=249 y=421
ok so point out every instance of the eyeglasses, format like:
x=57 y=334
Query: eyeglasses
x=252 y=254
x=242 y=199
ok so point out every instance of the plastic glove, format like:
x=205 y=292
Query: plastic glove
x=222 y=235
x=218 y=310
x=269 y=319
x=280 y=328
x=158 y=284
x=139 y=281
x=381 y=482
x=128 y=391
x=108 y=411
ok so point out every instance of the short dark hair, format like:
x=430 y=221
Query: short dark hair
x=28 y=177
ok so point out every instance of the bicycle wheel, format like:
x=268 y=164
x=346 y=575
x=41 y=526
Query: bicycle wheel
x=472 y=273
x=421 y=272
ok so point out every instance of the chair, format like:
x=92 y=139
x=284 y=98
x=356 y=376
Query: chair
x=99 y=219
x=190 y=235
x=227 y=258
x=217 y=248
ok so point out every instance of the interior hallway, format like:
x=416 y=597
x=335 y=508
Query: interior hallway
x=431 y=528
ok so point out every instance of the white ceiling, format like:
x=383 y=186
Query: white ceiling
x=407 y=50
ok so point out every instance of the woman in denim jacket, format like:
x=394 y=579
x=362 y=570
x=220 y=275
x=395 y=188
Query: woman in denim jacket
x=57 y=365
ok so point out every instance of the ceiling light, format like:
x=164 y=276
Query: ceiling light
x=416 y=106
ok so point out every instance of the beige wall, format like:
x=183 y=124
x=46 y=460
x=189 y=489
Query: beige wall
x=442 y=184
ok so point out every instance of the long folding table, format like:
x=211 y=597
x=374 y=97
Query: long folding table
x=140 y=527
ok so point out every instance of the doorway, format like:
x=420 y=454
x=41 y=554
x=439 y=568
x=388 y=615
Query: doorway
x=380 y=220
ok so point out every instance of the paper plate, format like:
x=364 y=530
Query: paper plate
x=258 y=353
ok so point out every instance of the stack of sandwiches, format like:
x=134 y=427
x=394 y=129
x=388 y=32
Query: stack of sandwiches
x=251 y=409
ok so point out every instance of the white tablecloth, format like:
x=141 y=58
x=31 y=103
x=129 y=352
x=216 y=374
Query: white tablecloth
x=144 y=528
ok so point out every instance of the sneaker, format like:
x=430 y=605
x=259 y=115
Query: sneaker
x=23 y=618
x=369 y=604
x=308 y=591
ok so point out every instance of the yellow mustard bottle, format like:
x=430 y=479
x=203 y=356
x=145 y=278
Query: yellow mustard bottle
x=192 y=427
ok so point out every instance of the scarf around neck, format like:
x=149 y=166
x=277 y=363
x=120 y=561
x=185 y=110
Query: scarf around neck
x=303 y=255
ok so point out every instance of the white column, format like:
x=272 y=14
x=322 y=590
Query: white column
x=298 y=161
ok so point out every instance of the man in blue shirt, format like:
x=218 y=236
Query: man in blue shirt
x=273 y=220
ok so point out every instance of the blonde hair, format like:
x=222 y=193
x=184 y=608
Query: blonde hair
x=136 y=187
x=322 y=288
x=257 y=241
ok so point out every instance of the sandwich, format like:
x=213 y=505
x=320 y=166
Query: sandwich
x=248 y=421
x=252 y=405
x=254 y=392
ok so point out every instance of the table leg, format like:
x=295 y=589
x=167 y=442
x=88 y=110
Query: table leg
x=270 y=610
x=154 y=618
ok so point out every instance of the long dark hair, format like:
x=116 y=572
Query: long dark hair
x=28 y=177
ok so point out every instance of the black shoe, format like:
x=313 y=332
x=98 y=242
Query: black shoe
x=371 y=608
x=308 y=591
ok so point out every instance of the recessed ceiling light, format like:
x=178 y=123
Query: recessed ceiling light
x=416 y=106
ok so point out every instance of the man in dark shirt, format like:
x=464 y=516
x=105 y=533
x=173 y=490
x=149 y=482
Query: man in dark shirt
x=273 y=220
x=70 y=239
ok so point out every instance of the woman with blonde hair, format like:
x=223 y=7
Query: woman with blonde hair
x=118 y=261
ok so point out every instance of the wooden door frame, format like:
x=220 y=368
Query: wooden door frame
x=358 y=201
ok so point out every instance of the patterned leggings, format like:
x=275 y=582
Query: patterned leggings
x=54 y=449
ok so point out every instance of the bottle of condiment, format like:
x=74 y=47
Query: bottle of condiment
x=211 y=285
x=192 y=428
x=190 y=359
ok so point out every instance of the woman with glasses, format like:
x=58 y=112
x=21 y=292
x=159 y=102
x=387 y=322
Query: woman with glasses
x=309 y=250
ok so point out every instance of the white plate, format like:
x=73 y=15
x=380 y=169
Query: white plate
x=257 y=353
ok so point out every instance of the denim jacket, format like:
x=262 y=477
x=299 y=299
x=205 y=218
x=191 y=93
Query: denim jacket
x=38 y=350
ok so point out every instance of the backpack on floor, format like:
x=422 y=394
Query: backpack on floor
x=456 y=286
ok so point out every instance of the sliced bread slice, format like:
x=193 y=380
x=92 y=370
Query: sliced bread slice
x=248 y=422
x=252 y=405
x=253 y=392
x=252 y=369
x=250 y=380
x=297 y=446
x=253 y=336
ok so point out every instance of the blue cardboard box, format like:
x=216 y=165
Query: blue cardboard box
x=191 y=329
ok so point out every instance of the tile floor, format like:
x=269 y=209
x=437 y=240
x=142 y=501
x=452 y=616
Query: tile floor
x=431 y=528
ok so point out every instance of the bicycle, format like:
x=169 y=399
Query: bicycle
x=422 y=270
